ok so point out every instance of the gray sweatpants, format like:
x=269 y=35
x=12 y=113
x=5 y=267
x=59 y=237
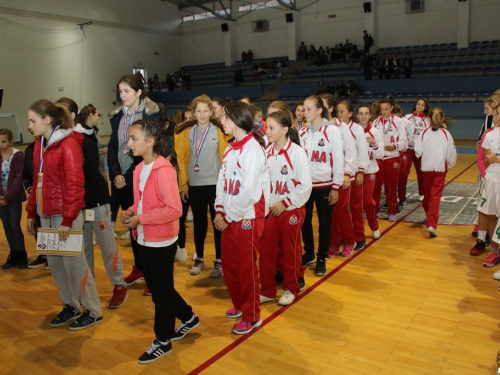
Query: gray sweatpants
x=104 y=231
x=72 y=274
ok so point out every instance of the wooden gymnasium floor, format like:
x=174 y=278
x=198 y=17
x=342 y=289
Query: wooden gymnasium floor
x=404 y=305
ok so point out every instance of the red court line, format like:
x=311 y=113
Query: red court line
x=303 y=294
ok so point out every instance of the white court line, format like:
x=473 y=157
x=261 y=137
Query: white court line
x=468 y=201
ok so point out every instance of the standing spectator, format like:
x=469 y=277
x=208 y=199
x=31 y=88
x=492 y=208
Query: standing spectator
x=187 y=79
x=379 y=64
x=250 y=56
x=387 y=67
x=353 y=89
x=367 y=40
x=156 y=82
x=150 y=84
x=367 y=64
x=321 y=88
x=340 y=91
x=170 y=83
x=238 y=76
x=396 y=65
x=302 y=55
x=408 y=65
x=244 y=57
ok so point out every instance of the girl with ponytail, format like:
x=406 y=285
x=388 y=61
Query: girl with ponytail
x=436 y=148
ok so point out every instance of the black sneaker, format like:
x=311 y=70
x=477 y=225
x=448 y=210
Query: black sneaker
x=398 y=209
x=308 y=259
x=84 y=321
x=41 y=260
x=278 y=277
x=22 y=262
x=302 y=283
x=384 y=205
x=402 y=203
x=360 y=245
x=11 y=262
x=184 y=328
x=67 y=314
x=155 y=351
x=320 y=267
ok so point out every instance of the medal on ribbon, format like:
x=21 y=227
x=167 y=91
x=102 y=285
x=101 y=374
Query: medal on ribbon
x=197 y=148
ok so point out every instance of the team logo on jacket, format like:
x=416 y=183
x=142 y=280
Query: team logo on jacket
x=372 y=177
x=102 y=225
x=321 y=142
x=404 y=157
x=42 y=246
x=246 y=224
x=284 y=170
x=293 y=220
x=396 y=165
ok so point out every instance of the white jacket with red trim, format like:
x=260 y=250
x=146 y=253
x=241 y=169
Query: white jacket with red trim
x=361 y=146
x=350 y=152
x=437 y=150
x=393 y=132
x=324 y=151
x=376 y=151
x=418 y=122
x=290 y=176
x=243 y=184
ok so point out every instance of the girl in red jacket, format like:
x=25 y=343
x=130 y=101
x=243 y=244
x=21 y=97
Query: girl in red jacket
x=58 y=198
x=154 y=220
x=242 y=205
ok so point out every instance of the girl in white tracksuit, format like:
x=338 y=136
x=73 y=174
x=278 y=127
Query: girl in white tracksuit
x=323 y=145
x=436 y=148
x=291 y=187
x=241 y=205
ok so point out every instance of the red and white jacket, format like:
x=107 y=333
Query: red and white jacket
x=376 y=151
x=437 y=150
x=243 y=184
x=361 y=146
x=324 y=151
x=418 y=122
x=290 y=176
x=349 y=145
x=393 y=132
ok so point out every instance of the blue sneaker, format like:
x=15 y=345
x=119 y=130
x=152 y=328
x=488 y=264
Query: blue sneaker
x=84 y=321
x=67 y=314
x=392 y=218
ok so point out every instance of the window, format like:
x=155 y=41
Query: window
x=205 y=15
x=262 y=5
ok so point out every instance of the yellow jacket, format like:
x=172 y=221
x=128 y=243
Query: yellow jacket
x=183 y=151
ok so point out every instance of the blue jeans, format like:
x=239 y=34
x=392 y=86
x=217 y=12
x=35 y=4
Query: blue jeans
x=11 y=219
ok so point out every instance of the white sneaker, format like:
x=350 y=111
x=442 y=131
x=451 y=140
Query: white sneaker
x=189 y=216
x=93 y=241
x=376 y=234
x=421 y=198
x=286 y=299
x=496 y=275
x=181 y=254
x=125 y=236
x=432 y=232
x=264 y=299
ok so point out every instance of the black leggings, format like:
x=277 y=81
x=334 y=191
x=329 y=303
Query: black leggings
x=127 y=201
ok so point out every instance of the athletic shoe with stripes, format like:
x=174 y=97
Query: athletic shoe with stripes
x=491 y=260
x=185 y=327
x=68 y=314
x=246 y=327
x=233 y=313
x=84 y=321
x=155 y=351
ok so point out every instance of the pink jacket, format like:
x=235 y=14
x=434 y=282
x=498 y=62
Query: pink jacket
x=161 y=203
x=480 y=155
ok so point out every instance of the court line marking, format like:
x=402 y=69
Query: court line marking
x=305 y=293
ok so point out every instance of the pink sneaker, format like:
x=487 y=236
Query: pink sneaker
x=332 y=252
x=491 y=260
x=233 y=313
x=348 y=250
x=246 y=327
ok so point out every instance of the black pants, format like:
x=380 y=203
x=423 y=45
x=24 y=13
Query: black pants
x=126 y=201
x=181 y=240
x=10 y=215
x=324 y=209
x=158 y=269
x=200 y=198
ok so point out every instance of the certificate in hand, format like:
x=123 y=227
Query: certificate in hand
x=48 y=243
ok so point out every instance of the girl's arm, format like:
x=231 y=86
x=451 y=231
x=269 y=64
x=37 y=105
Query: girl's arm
x=167 y=185
x=481 y=157
x=17 y=172
x=302 y=181
x=419 y=147
x=183 y=151
x=72 y=158
x=378 y=148
x=451 y=152
x=337 y=153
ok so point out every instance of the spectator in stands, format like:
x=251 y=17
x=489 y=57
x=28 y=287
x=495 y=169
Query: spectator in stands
x=247 y=99
x=330 y=89
x=187 y=79
x=379 y=64
x=170 y=83
x=322 y=58
x=298 y=116
x=408 y=65
x=348 y=52
x=321 y=88
x=244 y=57
x=150 y=84
x=367 y=64
x=302 y=55
x=396 y=65
x=340 y=91
x=250 y=56
x=367 y=40
x=341 y=53
x=312 y=53
x=156 y=82
x=387 y=67
x=353 y=89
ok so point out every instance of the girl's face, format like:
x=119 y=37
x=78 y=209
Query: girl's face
x=138 y=143
x=299 y=113
x=39 y=126
x=495 y=101
x=188 y=116
x=128 y=95
x=228 y=125
x=258 y=116
x=364 y=115
x=386 y=110
x=93 y=119
x=311 y=113
x=5 y=143
x=420 y=107
x=218 y=110
x=202 y=113
x=275 y=132
x=488 y=109
x=496 y=117
x=343 y=113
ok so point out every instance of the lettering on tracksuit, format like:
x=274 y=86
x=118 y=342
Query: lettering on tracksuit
x=233 y=187
x=280 y=188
